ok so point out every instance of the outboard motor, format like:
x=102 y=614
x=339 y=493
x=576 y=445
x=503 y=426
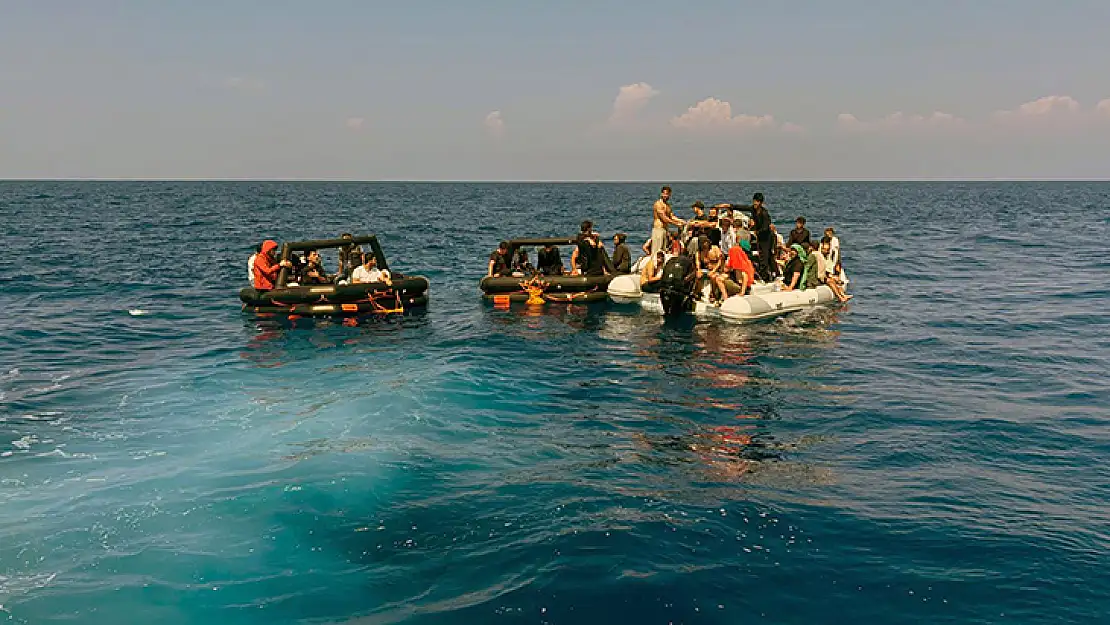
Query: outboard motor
x=676 y=285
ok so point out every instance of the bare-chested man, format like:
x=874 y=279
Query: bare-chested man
x=663 y=217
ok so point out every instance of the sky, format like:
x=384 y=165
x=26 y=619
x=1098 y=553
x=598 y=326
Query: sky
x=637 y=90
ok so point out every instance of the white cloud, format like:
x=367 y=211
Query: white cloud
x=1104 y=107
x=712 y=113
x=900 y=120
x=355 y=123
x=495 y=125
x=1048 y=106
x=631 y=99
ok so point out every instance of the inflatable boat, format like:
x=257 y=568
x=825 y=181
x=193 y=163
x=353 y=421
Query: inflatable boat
x=338 y=298
x=534 y=288
x=764 y=301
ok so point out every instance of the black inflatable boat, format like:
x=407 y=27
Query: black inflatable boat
x=532 y=287
x=337 y=299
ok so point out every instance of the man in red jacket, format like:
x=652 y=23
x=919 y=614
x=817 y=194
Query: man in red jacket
x=266 y=266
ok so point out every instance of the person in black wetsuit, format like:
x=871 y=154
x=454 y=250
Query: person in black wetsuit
x=622 y=256
x=549 y=261
x=764 y=237
x=499 y=261
x=350 y=256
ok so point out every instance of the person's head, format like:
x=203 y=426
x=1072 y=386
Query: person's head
x=587 y=226
x=699 y=208
x=829 y=232
x=369 y=261
x=800 y=222
x=712 y=213
x=757 y=200
x=345 y=235
x=313 y=256
x=703 y=244
x=665 y=193
x=726 y=222
x=268 y=248
x=619 y=238
x=660 y=257
x=791 y=252
x=826 y=242
x=503 y=247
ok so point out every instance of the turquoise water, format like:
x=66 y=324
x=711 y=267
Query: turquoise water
x=934 y=451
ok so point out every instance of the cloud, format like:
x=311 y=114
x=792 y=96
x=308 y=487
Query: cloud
x=1041 y=108
x=243 y=83
x=900 y=120
x=631 y=99
x=495 y=125
x=714 y=114
x=355 y=123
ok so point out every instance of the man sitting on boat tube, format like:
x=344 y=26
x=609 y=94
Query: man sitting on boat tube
x=368 y=272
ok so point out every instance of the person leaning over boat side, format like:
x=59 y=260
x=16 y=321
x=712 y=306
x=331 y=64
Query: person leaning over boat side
x=548 y=261
x=662 y=216
x=368 y=272
x=499 y=262
x=622 y=256
x=266 y=266
x=521 y=265
x=800 y=234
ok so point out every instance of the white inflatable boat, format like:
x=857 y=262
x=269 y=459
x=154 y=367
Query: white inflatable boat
x=764 y=301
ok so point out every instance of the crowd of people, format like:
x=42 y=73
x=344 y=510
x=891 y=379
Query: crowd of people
x=588 y=258
x=355 y=267
x=731 y=246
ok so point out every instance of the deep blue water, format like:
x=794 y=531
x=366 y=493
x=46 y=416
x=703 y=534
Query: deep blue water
x=934 y=451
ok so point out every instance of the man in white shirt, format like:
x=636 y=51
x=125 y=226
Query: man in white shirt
x=368 y=272
x=834 y=248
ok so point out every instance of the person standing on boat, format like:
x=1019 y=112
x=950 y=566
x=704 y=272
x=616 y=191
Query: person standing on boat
x=663 y=216
x=764 y=236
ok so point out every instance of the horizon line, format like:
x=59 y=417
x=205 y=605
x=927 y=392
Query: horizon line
x=553 y=181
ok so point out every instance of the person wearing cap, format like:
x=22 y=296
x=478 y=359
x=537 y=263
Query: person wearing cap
x=622 y=256
x=662 y=216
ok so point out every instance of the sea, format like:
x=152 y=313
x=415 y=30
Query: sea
x=937 y=450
